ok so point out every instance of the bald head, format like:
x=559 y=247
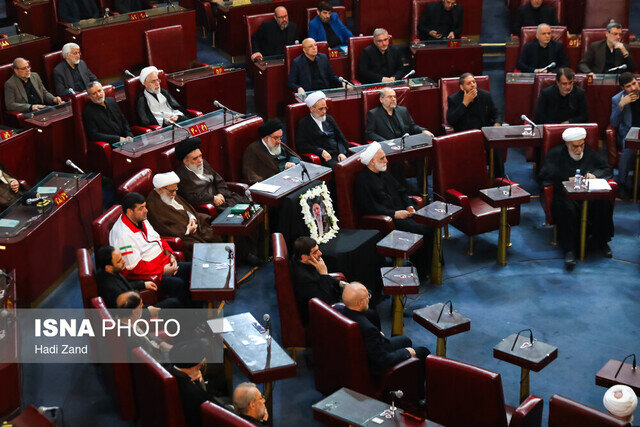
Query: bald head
x=310 y=48
x=355 y=296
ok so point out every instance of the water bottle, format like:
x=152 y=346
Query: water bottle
x=577 y=180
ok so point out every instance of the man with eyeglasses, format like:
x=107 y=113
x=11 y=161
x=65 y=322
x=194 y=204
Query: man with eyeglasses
x=24 y=91
x=563 y=102
x=604 y=55
x=380 y=62
x=171 y=215
x=440 y=20
x=71 y=75
x=264 y=158
x=561 y=164
x=155 y=105
x=273 y=35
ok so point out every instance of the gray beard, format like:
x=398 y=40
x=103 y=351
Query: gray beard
x=576 y=157
x=167 y=199
x=154 y=91
x=380 y=167
x=321 y=118
x=197 y=169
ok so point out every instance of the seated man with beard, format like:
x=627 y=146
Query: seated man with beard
x=264 y=158
x=155 y=105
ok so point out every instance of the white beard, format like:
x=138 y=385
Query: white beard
x=171 y=201
x=380 y=167
x=155 y=91
x=197 y=169
x=576 y=157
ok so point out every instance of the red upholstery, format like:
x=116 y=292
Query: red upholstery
x=345 y=174
x=417 y=6
x=252 y=23
x=139 y=183
x=236 y=139
x=291 y=52
x=597 y=14
x=590 y=35
x=356 y=45
x=30 y=417
x=215 y=416
x=611 y=141
x=340 y=359
x=10 y=118
x=543 y=80
x=156 y=393
x=165 y=49
x=460 y=173
x=450 y=85
x=558 y=33
x=312 y=12
x=556 y=4
x=292 y=330
x=205 y=16
x=371 y=100
x=565 y=412
x=50 y=60
x=11 y=384
x=169 y=162
x=459 y=394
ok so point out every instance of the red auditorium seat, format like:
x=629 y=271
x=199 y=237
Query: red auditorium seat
x=417 y=6
x=543 y=80
x=10 y=118
x=251 y=25
x=295 y=113
x=236 y=139
x=565 y=412
x=205 y=17
x=598 y=13
x=312 y=12
x=50 y=60
x=30 y=417
x=450 y=85
x=215 y=416
x=165 y=49
x=459 y=394
x=371 y=100
x=590 y=35
x=291 y=52
x=10 y=387
x=460 y=173
x=340 y=359
x=356 y=45
x=527 y=34
x=156 y=393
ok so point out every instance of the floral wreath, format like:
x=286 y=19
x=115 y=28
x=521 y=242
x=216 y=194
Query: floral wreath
x=319 y=191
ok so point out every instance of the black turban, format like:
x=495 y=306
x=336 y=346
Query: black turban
x=269 y=127
x=186 y=146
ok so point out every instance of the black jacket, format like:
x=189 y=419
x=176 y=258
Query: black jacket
x=527 y=16
x=529 y=60
x=126 y=6
x=308 y=283
x=310 y=139
x=371 y=67
x=192 y=396
x=481 y=112
x=105 y=124
x=378 y=127
x=594 y=60
x=300 y=74
x=63 y=78
x=433 y=18
x=143 y=112
x=551 y=107
x=270 y=40
x=110 y=286
x=75 y=10
x=379 y=193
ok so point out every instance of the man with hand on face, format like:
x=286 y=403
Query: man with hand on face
x=318 y=133
x=533 y=14
x=563 y=102
x=440 y=19
x=327 y=27
x=72 y=75
x=311 y=70
x=625 y=113
x=155 y=105
x=538 y=54
x=273 y=35
x=265 y=158
x=24 y=91
x=103 y=119
x=250 y=404
x=380 y=62
x=603 y=55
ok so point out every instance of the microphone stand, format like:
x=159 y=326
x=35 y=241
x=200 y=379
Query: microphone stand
x=304 y=167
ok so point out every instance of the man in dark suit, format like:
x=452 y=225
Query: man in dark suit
x=389 y=120
x=77 y=10
x=103 y=120
x=72 y=75
x=603 y=55
x=249 y=404
x=318 y=133
x=625 y=113
x=382 y=352
x=264 y=158
x=538 y=54
x=111 y=284
x=24 y=90
x=473 y=108
x=311 y=70
x=440 y=19
x=155 y=105
x=127 y=6
x=533 y=14
x=563 y=102
x=380 y=62
x=273 y=35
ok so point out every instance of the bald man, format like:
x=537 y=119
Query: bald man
x=249 y=403
x=311 y=70
x=273 y=35
x=382 y=352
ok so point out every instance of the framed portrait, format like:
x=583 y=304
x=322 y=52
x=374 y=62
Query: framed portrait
x=318 y=214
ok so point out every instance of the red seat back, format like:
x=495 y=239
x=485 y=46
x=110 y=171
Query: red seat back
x=417 y=6
x=459 y=394
x=345 y=174
x=460 y=163
x=30 y=417
x=339 y=358
x=312 y=12
x=565 y=412
x=50 y=60
x=291 y=52
x=87 y=276
x=552 y=136
x=556 y=4
x=236 y=139
x=356 y=45
x=78 y=102
x=165 y=49
x=590 y=35
x=371 y=99
x=101 y=226
x=528 y=34
x=168 y=161
x=132 y=87
x=252 y=23
x=215 y=416
x=139 y=183
x=6 y=71
x=597 y=13
x=11 y=380
x=544 y=80
x=450 y=85
x=293 y=332
x=156 y=392
x=295 y=113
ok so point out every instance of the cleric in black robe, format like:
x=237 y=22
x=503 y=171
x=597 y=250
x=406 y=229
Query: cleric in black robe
x=273 y=35
x=533 y=14
x=563 y=102
x=440 y=20
x=378 y=193
x=561 y=164
x=472 y=108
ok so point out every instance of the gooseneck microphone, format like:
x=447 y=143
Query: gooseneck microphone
x=409 y=74
x=528 y=120
x=618 y=68
x=267 y=324
x=304 y=167
x=345 y=82
x=129 y=73
x=553 y=64
x=74 y=166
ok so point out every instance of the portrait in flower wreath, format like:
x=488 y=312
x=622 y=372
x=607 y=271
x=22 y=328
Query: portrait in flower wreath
x=318 y=214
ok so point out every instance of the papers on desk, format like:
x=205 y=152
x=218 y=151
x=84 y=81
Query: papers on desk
x=219 y=326
x=596 y=184
x=47 y=190
x=8 y=223
x=267 y=188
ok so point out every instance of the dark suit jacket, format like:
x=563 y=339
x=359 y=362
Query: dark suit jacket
x=64 y=80
x=528 y=60
x=310 y=139
x=548 y=108
x=594 y=59
x=126 y=6
x=268 y=39
x=308 y=283
x=369 y=69
x=143 y=112
x=480 y=112
x=379 y=129
x=380 y=353
x=432 y=19
x=300 y=74
x=15 y=97
x=112 y=285
x=102 y=126
x=525 y=17
x=192 y=396
x=72 y=10
x=198 y=191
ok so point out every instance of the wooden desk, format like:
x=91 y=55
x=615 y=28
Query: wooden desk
x=518 y=91
x=442 y=323
x=502 y=137
x=213 y=272
x=228 y=224
x=31 y=48
x=616 y=372
x=50 y=239
x=18 y=154
x=437 y=59
x=36 y=17
x=399 y=281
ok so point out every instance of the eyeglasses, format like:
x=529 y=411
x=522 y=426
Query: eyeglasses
x=576 y=147
x=26 y=67
x=171 y=191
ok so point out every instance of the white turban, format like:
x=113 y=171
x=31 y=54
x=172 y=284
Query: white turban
x=163 y=179
x=145 y=73
x=367 y=154
x=314 y=97
x=574 y=134
x=620 y=400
